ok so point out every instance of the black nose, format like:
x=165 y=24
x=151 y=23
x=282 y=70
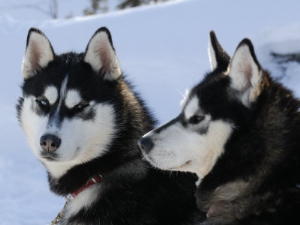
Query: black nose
x=146 y=144
x=50 y=143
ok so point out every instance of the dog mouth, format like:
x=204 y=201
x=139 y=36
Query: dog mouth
x=154 y=163
x=182 y=166
x=49 y=156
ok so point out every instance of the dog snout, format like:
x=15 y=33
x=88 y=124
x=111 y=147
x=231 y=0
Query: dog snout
x=50 y=143
x=146 y=144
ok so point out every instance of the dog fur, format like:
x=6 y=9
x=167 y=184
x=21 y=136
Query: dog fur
x=239 y=132
x=82 y=119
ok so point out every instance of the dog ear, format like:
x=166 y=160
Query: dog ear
x=101 y=55
x=245 y=73
x=217 y=56
x=38 y=54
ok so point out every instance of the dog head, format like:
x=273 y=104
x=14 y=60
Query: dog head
x=66 y=110
x=211 y=112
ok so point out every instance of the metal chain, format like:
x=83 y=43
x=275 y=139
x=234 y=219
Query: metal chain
x=60 y=214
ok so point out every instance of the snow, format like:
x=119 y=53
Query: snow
x=162 y=49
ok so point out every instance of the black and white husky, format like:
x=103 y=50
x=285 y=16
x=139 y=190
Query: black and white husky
x=82 y=121
x=239 y=131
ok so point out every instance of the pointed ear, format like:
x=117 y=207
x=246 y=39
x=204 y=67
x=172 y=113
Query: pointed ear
x=101 y=55
x=246 y=73
x=38 y=54
x=217 y=56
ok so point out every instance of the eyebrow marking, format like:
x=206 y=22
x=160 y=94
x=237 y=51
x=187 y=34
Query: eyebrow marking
x=72 y=98
x=51 y=94
x=191 y=108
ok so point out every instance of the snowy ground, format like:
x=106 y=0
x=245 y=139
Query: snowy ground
x=162 y=49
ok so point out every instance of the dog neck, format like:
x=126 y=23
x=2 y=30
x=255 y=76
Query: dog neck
x=94 y=180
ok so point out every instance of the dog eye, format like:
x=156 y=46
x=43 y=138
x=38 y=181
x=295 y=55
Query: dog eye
x=42 y=102
x=80 y=106
x=196 y=119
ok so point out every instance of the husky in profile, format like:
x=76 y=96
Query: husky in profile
x=82 y=121
x=239 y=131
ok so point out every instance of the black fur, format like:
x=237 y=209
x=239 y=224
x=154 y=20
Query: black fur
x=264 y=149
x=263 y=152
x=132 y=192
x=256 y=178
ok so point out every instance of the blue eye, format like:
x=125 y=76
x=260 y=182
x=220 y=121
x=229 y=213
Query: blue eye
x=42 y=102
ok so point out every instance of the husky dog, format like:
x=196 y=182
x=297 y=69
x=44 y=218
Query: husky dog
x=82 y=121
x=239 y=132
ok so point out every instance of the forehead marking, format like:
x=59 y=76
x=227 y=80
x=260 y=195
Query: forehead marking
x=63 y=90
x=72 y=98
x=51 y=94
x=192 y=107
x=54 y=120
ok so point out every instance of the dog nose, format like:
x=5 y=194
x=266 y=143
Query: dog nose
x=50 y=143
x=145 y=144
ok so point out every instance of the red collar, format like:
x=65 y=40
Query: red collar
x=96 y=179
